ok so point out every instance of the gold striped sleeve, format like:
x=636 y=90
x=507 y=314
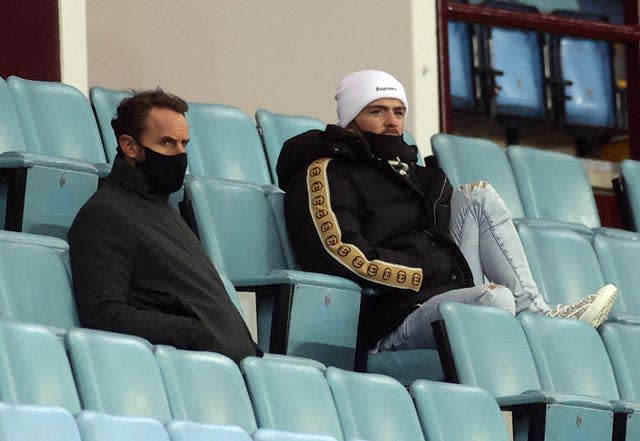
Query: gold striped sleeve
x=348 y=255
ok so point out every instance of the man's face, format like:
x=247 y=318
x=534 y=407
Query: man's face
x=383 y=117
x=166 y=132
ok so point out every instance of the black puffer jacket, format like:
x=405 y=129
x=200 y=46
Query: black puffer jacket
x=353 y=215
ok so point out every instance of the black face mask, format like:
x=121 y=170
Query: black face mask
x=164 y=173
x=384 y=146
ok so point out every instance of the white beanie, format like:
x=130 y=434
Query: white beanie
x=358 y=89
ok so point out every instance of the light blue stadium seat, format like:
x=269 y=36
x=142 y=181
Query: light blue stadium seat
x=571 y=359
x=41 y=191
x=461 y=76
x=630 y=170
x=619 y=259
x=563 y=263
x=105 y=103
x=276 y=128
x=281 y=435
x=205 y=387
x=46 y=299
x=486 y=347
x=181 y=430
x=225 y=144
x=466 y=159
x=440 y=408
x=117 y=374
x=96 y=426
x=299 y=313
x=373 y=407
x=34 y=368
x=291 y=397
x=42 y=423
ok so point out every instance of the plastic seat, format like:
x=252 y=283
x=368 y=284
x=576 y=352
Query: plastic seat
x=461 y=76
x=291 y=397
x=225 y=144
x=95 y=426
x=280 y=435
x=373 y=407
x=117 y=374
x=276 y=128
x=571 y=359
x=563 y=263
x=474 y=340
x=630 y=170
x=46 y=299
x=299 y=313
x=205 y=387
x=42 y=190
x=34 y=368
x=180 y=430
x=439 y=408
x=618 y=261
x=42 y=423
x=105 y=103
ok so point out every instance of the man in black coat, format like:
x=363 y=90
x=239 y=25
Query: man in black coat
x=359 y=206
x=137 y=267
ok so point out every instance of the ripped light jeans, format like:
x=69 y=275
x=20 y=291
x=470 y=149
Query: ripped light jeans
x=482 y=228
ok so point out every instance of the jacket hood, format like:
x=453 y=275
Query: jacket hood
x=333 y=142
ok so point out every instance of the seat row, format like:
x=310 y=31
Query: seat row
x=120 y=385
x=559 y=377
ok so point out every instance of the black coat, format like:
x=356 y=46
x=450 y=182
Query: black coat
x=353 y=215
x=139 y=269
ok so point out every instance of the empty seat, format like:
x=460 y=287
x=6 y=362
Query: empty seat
x=373 y=407
x=281 y=435
x=630 y=170
x=95 y=426
x=225 y=144
x=181 y=430
x=46 y=298
x=42 y=191
x=461 y=75
x=205 y=387
x=299 y=313
x=474 y=340
x=618 y=259
x=440 y=407
x=105 y=103
x=117 y=374
x=622 y=342
x=42 y=423
x=34 y=368
x=291 y=397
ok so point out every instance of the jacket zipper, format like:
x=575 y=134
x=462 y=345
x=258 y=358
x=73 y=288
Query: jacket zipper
x=444 y=184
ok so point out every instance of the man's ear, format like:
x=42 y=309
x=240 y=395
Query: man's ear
x=129 y=146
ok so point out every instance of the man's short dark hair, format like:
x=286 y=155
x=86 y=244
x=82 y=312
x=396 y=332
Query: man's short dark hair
x=132 y=111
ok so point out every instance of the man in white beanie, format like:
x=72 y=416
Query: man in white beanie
x=359 y=206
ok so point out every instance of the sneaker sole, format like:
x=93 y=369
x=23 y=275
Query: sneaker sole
x=598 y=311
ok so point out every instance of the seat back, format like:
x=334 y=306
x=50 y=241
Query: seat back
x=225 y=145
x=623 y=346
x=57 y=120
x=42 y=423
x=291 y=397
x=180 y=430
x=461 y=79
x=11 y=138
x=631 y=175
x=95 y=426
x=481 y=338
x=276 y=128
x=373 y=407
x=34 y=368
x=281 y=435
x=236 y=227
x=439 y=407
x=618 y=259
x=467 y=159
x=117 y=374
x=563 y=262
x=46 y=299
x=205 y=387
x=554 y=186
x=570 y=357
x=105 y=106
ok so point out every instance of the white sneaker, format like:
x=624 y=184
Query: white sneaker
x=593 y=309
